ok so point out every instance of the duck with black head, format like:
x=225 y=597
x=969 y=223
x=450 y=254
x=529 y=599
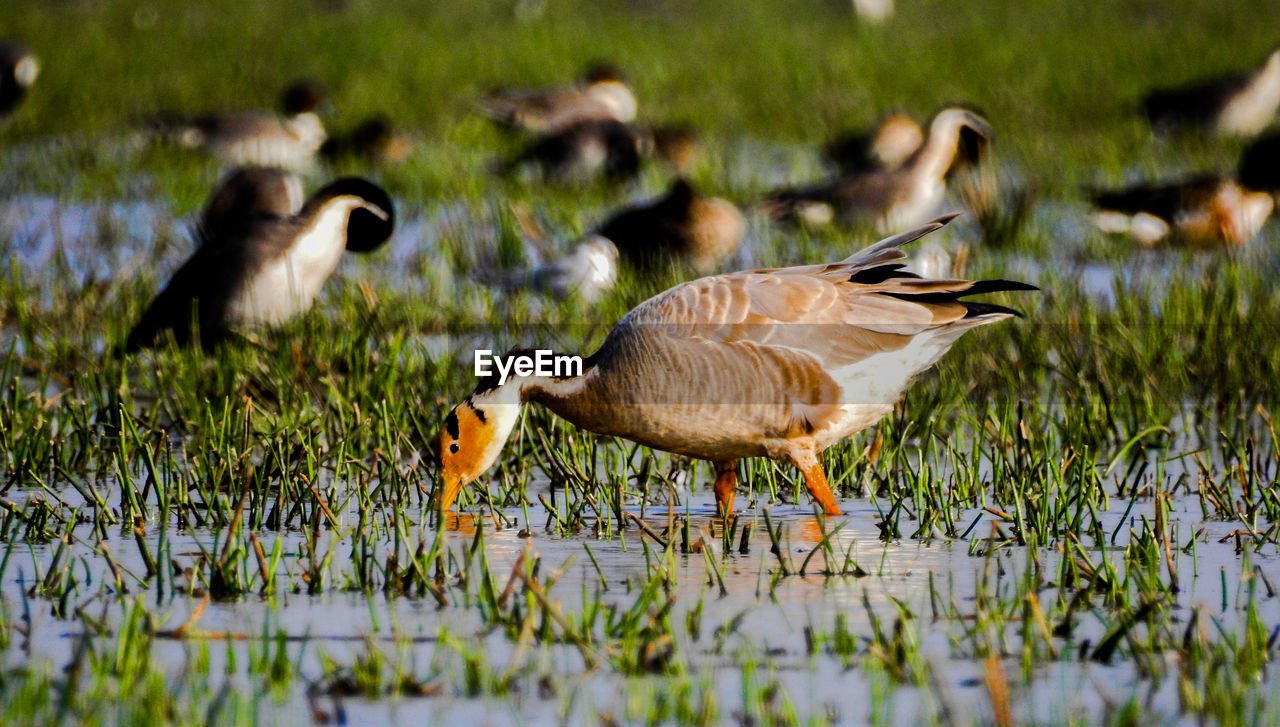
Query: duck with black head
x=1204 y=211
x=289 y=140
x=683 y=226
x=582 y=152
x=257 y=267
x=18 y=71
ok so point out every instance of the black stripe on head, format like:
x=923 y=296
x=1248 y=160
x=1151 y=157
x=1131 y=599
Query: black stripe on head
x=451 y=425
x=487 y=383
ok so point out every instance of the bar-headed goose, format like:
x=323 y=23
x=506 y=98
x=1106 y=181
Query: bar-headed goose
x=893 y=198
x=765 y=363
x=264 y=268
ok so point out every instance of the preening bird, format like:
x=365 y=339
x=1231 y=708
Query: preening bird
x=904 y=196
x=254 y=266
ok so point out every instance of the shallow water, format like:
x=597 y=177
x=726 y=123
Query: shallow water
x=769 y=623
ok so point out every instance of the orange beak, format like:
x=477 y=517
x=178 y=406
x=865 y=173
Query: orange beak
x=447 y=491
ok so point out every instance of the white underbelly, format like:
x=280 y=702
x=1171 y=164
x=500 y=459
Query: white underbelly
x=870 y=387
x=282 y=290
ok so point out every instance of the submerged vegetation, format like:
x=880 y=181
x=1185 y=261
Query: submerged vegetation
x=1073 y=519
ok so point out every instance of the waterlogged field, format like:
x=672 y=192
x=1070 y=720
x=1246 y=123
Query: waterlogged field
x=1073 y=519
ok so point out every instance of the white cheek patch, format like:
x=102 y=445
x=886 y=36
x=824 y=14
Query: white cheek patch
x=502 y=418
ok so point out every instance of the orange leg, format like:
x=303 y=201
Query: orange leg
x=815 y=479
x=726 y=485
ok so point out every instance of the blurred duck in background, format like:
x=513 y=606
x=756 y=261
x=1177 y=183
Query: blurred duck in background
x=373 y=141
x=258 y=263
x=682 y=226
x=1238 y=105
x=601 y=94
x=905 y=196
x=883 y=148
x=18 y=71
x=1203 y=211
x=677 y=145
x=588 y=270
x=583 y=152
x=290 y=141
x=607 y=149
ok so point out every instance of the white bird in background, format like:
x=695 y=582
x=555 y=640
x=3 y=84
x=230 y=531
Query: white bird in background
x=588 y=270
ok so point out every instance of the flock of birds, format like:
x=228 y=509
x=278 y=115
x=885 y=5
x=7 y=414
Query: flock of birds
x=778 y=363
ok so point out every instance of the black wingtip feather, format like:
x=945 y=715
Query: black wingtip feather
x=977 y=310
x=995 y=286
x=881 y=273
x=979 y=287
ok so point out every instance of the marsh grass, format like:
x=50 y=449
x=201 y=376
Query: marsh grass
x=1105 y=469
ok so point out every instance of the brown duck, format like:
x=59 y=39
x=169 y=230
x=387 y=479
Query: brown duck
x=681 y=226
